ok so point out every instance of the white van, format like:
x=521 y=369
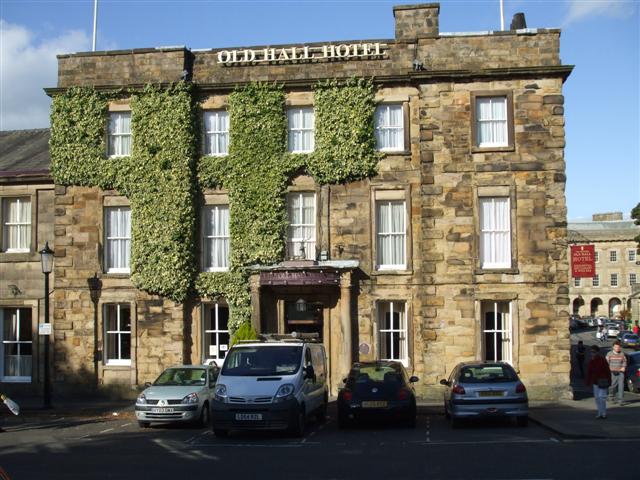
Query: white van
x=274 y=383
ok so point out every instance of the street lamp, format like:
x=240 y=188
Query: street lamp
x=46 y=260
x=95 y=286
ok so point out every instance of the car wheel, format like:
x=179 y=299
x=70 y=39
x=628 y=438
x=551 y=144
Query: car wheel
x=204 y=415
x=410 y=422
x=221 y=432
x=144 y=424
x=447 y=415
x=522 y=421
x=343 y=421
x=455 y=422
x=297 y=429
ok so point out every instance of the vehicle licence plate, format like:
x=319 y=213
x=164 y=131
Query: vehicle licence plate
x=162 y=410
x=248 y=416
x=494 y=393
x=374 y=404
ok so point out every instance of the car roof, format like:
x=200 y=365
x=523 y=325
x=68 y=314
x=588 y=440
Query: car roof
x=188 y=366
x=372 y=363
x=270 y=344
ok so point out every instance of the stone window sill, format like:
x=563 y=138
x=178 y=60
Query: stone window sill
x=493 y=271
x=392 y=272
x=398 y=153
x=509 y=148
x=16 y=257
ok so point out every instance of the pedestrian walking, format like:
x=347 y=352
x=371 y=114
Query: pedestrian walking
x=599 y=378
x=636 y=329
x=617 y=364
x=580 y=351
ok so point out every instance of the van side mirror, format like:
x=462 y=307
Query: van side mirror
x=413 y=379
x=444 y=382
x=344 y=380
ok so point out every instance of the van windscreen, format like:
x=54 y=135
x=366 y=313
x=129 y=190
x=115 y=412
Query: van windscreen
x=262 y=361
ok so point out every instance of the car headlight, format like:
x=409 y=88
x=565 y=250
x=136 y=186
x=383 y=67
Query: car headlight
x=285 y=392
x=191 y=398
x=141 y=400
x=220 y=393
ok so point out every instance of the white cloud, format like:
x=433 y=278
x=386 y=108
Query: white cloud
x=583 y=9
x=27 y=65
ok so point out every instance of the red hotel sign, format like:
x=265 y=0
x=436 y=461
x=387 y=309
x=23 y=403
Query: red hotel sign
x=583 y=261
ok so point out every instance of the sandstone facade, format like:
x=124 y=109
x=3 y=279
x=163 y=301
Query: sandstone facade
x=440 y=176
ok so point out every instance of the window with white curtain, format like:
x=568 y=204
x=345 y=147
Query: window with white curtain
x=216 y=134
x=595 y=281
x=301 y=232
x=632 y=279
x=497 y=344
x=391 y=234
x=215 y=238
x=16 y=344
x=495 y=232
x=216 y=331
x=631 y=254
x=393 y=342
x=117 y=339
x=16 y=224
x=301 y=129
x=119 y=141
x=389 y=128
x=492 y=128
x=596 y=256
x=117 y=227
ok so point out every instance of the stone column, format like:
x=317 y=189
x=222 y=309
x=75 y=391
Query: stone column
x=344 y=361
x=254 y=286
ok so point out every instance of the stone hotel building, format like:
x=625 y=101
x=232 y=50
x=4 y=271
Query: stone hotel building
x=450 y=246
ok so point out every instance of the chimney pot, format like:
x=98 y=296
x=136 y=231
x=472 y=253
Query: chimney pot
x=518 y=22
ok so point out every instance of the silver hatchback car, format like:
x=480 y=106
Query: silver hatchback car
x=180 y=394
x=485 y=389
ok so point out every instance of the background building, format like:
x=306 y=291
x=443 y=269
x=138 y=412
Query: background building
x=26 y=217
x=451 y=248
x=617 y=266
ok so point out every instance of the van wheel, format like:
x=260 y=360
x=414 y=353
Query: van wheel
x=343 y=421
x=144 y=424
x=297 y=429
x=221 y=432
x=522 y=421
x=322 y=413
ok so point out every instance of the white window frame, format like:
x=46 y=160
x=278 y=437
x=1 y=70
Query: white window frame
x=633 y=278
x=596 y=256
x=21 y=222
x=504 y=121
x=116 y=135
x=222 y=238
x=119 y=333
x=402 y=332
x=17 y=341
x=380 y=236
x=506 y=331
x=215 y=332
x=577 y=282
x=305 y=130
x=613 y=256
x=613 y=278
x=595 y=280
x=213 y=137
x=293 y=243
x=631 y=255
x=108 y=239
x=488 y=234
x=383 y=123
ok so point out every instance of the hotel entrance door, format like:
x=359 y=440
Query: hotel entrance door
x=304 y=317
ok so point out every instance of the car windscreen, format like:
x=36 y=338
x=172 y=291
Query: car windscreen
x=375 y=374
x=262 y=361
x=486 y=374
x=182 y=377
x=630 y=336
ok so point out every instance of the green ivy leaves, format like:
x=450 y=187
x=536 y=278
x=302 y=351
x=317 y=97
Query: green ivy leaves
x=161 y=177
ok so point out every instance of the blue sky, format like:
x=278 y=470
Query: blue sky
x=600 y=37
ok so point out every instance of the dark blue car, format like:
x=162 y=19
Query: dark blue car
x=632 y=375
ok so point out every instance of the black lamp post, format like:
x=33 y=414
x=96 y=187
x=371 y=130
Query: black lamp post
x=95 y=286
x=46 y=259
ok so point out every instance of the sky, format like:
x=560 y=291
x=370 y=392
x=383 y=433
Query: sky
x=600 y=37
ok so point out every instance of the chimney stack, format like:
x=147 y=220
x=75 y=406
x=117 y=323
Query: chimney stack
x=417 y=21
x=518 y=22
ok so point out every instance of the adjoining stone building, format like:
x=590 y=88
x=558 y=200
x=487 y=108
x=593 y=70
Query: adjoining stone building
x=455 y=250
x=26 y=217
x=616 y=286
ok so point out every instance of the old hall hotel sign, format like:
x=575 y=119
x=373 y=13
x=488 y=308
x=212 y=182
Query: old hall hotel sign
x=302 y=54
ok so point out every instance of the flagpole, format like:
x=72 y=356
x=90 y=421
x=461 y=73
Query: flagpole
x=95 y=23
x=501 y=15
